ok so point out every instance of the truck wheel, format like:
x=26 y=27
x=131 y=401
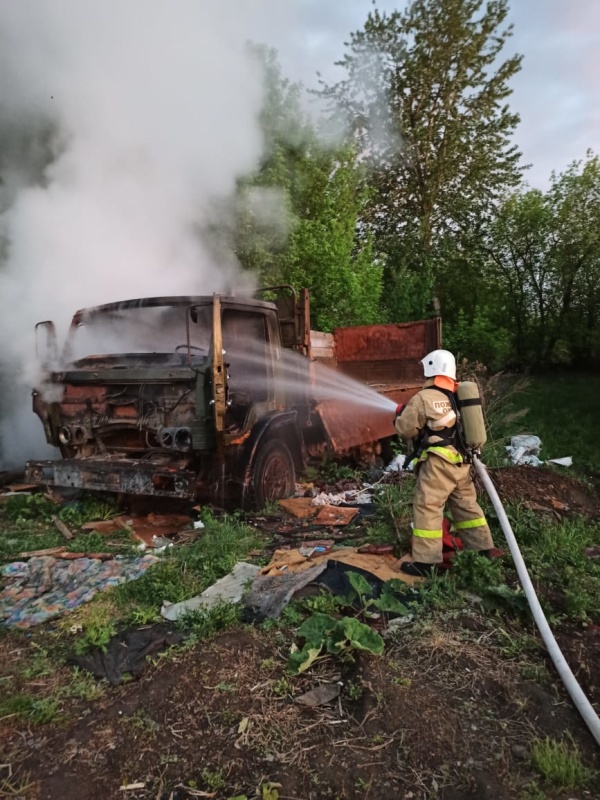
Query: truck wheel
x=273 y=475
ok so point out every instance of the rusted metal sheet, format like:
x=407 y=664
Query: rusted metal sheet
x=405 y=341
x=349 y=425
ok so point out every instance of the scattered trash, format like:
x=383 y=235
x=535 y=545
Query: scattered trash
x=128 y=652
x=334 y=515
x=358 y=497
x=198 y=524
x=394 y=625
x=567 y=461
x=396 y=464
x=289 y=572
x=320 y=695
x=46 y=587
x=228 y=589
x=524 y=449
x=61 y=527
x=300 y=507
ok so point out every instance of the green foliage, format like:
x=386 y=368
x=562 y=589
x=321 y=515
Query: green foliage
x=297 y=217
x=474 y=572
x=560 y=764
x=87 y=508
x=39 y=710
x=543 y=268
x=188 y=569
x=98 y=630
x=386 y=602
x=480 y=336
x=425 y=93
x=337 y=637
x=23 y=508
x=203 y=623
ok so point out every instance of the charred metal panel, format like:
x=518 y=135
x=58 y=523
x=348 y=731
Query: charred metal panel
x=349 y=425
x=123 y=476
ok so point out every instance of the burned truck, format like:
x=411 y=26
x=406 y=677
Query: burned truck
x=216 y=398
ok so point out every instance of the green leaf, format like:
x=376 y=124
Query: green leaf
x=301 y=660
x=387 y=602
x=316 y=627
x=360 y=584
x=350 y=633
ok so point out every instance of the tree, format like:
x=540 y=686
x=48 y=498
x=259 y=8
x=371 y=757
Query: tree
x=298 y=216
x=544 y=260
x=425 y=96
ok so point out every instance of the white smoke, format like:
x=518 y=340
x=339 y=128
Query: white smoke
x=138 y=115
x=122 y=123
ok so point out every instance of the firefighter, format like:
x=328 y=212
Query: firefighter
x=430 y=419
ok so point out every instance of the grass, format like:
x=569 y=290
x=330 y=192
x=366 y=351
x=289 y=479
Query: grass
x=560 y=764
x=561 y=409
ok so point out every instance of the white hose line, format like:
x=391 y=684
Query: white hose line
x=583 y=705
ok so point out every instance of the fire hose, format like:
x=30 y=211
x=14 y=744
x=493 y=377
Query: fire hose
x=569 y=680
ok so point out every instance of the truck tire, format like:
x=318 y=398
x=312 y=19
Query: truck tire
x=273 y=475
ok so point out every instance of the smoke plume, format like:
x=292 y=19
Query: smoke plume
x=120 y=124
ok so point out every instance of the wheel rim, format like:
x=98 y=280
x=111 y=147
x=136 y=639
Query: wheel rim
x=275 y=477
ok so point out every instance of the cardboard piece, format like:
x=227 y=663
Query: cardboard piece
x=299 y=507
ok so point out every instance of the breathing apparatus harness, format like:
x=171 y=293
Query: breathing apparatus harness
x=452 y=436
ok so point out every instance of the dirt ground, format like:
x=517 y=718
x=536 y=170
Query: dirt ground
x=449 y=711
x=547 y=490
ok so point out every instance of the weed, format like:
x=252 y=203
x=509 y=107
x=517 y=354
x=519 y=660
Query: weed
x=406 y=683
x=362 y=785
x=283 y=687
x=22 y=508
x=559 y=763
x=83 y=686
x=38 y=709
x=213 y=780
x=39 y=663
x=355 y=690
x=141 y=721
x=324 y=602
x=393 y=505
x=268 y=664
x=98 y=630
x=475 y=573
x=203 y=623
x=87 y=508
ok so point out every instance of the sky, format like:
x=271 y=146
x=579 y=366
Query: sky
x=557 y=92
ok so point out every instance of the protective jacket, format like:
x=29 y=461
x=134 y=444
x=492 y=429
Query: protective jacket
x=429 y=419
x=442 y=474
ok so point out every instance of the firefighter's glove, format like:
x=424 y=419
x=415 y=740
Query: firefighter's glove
x=399 y=409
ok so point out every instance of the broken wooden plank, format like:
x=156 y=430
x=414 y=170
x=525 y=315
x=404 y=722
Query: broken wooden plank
x=299 y=507
x=48 y=551
x=60 y=525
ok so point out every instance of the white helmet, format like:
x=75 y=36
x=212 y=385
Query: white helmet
x=439 y=362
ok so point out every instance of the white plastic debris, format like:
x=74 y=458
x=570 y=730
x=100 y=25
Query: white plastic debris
x=328 y=499
x=567 y=461
x=396 y=465
x=524 y=450
x=198 y=524
x=228 y=589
